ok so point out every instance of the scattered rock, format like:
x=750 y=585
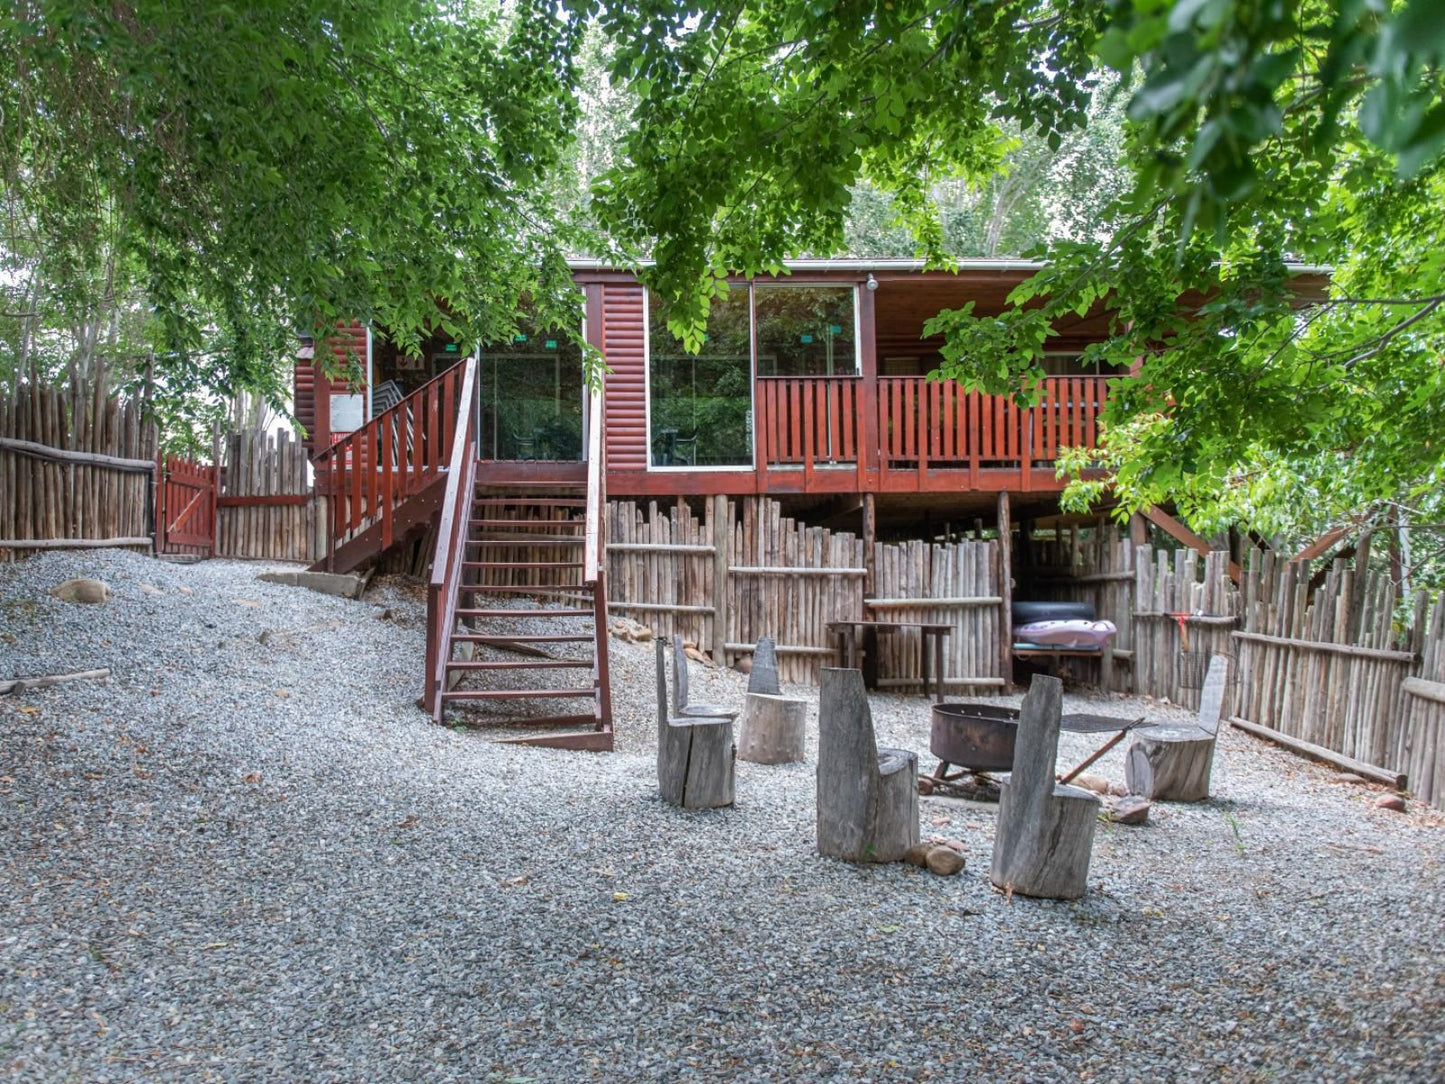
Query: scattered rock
x=272 y=638
x=944 y=861
x=1390 y=801
x=1352 y=779
x=185 y=590
x=150 y=589
x=1118 y=790
x=337 y=584
x=1089 y=781
x=81 y=590
x=917 y=855
x=697 y=656
x=1130 y=809
x=744 y=665
x=626 y=629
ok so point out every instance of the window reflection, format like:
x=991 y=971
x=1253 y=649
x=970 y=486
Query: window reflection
x=701 y=404
x=531 y=396
x=805 y=330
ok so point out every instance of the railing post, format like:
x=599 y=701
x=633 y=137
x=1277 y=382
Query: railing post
x=868 y=401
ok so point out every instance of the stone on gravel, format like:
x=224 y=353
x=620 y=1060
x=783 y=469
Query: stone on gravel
x=944 y=861
x=1089 y=781
x=81 y=589
x=1129 y=809
x=917 y=855
x=1351 y=778
x=337 y=584
x=1390 y=801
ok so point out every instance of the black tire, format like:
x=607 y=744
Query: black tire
x=1026 y=612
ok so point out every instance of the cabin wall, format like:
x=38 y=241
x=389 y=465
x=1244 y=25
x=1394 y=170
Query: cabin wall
x=624 y=345
x=311 y=391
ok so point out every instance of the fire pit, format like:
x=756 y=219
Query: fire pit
x=978 y=738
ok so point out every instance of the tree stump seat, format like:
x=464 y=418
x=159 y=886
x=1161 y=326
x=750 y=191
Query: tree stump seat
x=1180 y=759
x=695 y=754
x=1173 y=762
x=1045 y=833
x=774 y=729
x=867 y=798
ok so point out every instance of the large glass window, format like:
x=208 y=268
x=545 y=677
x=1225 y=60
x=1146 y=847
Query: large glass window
x=805 y=330
x=531 y=396
x=701 y=404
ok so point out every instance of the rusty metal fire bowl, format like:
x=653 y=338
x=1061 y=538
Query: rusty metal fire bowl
x=976 y=736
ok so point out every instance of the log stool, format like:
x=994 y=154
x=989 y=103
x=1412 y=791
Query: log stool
x=867 y=797
x=1045 y=833
x=1180 y=759
x=774 y=729
x=695 y=754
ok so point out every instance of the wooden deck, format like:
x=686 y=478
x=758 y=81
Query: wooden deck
x=850 y=434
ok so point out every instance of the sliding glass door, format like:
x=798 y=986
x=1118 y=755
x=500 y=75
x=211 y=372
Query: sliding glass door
x=531 y=397
x=701 y=405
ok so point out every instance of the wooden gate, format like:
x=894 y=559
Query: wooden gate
x=186 y=508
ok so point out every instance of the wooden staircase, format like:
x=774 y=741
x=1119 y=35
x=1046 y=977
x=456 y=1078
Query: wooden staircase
x=524 y=593
x=517 y=607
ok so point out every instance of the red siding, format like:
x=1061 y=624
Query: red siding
x=309 y=385
x=624 y=345
x=303 y=396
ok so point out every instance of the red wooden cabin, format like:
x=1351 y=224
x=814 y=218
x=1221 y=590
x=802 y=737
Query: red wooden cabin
x=810 y=387
x=817 y=384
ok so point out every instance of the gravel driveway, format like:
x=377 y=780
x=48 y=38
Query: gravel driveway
x=249 y=857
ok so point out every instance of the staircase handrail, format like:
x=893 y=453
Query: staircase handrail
x=596 y=483
x=451 y=545
x=377 y=468
x=410 y=397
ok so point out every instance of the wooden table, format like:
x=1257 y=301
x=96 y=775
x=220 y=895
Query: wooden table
x=850 y=654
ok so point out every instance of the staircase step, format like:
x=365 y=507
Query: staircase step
x=491 y=484
x=532 y=502
x=523 y=564
x=578 y=593
x=549 y=638
x=519 y=694
x=588 y=720
x=536 y=664
x=551 y=524
x=594 y=740
x=530 y=540
x=519 y=614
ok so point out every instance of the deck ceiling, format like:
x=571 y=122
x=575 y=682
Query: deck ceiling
x=904 y=302
x=904 y=305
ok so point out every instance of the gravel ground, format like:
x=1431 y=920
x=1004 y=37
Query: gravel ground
x=249 y=857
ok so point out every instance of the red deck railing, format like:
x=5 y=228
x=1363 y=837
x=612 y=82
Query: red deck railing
x=395 y=455
x=924 y=427
x=932 y=425
x=809 y=420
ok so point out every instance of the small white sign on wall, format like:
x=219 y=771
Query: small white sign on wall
x=348 y=413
